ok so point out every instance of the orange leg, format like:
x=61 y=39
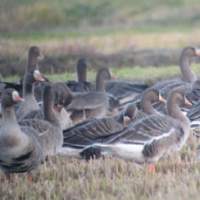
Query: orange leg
x=152 y=168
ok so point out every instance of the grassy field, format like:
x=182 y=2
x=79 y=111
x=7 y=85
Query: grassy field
x=177 y=177
x=71 y=27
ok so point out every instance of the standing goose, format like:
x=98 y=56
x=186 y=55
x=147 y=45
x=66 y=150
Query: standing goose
x=188 y=78
x=20 y=150
x=90 y=104
x=34 y=55
x=48 y=129
x=150 y=138
x=81 y=85
x=30 y=102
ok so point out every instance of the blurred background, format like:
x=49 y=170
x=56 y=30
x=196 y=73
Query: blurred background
x=117 y=33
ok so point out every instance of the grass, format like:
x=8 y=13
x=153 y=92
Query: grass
x=131 y=73
x=109 y=179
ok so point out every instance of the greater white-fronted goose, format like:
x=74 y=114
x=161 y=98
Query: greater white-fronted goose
x=81 y=85
x=188 y=78
x=150 y=138
x=34 y=55
x=30 y=103
x=99 y=130
x=49 y=128
x=118 y=90
x=20 y=150
x=90 y=104
x=57 y=102
x=93 y=130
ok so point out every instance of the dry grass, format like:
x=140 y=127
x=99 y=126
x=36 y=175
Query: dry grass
x=64 y=178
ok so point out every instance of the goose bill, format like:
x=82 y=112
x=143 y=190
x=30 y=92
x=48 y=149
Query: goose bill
x=16 y=97
x=161 y=99
x=197 y=52
x=187 y=102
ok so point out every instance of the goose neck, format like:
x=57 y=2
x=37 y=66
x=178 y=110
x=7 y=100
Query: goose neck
x=48 y=107
x=100 y=84
x=8 y=115
x=81 y=74
x=175 y=112
x=186 y=71
x=147 y=102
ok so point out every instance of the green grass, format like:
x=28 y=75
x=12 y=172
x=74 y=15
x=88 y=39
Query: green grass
x=130 y=73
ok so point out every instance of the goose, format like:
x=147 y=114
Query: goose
x=98 y=130
x=118 y=89
x=48 y=129
x=188 y=77
x=81 y=85
x=60 y=99
x=90 y=104
x=30 y=102
x=20 y=150
x=150 y=138
x=34 y=55
x=93 y=130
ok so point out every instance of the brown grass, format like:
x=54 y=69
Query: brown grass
x=176 y=177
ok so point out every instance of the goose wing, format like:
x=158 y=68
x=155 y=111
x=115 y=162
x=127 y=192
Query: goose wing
x=89 y=100
x=145 y=129
x=95 y=130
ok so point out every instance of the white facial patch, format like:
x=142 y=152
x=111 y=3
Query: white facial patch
x=37 y=74
x=15 y=95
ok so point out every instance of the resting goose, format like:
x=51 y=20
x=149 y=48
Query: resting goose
x=93 y=130
x=20 y=150
x=90 y=104
x=145 y=107
x=57 y=103
x=30 y=102
x=49 y=128
x=150 y=138
x=81 y=85
x=99 y=130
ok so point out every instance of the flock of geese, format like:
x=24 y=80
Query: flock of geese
x=80 y=119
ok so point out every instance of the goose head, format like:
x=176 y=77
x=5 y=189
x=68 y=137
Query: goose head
x=30 y=78
x=81 y=70
x=63 y=95
x=34 y=55
x=10 y=97
x=103 y=75
x=150 y=97
x=175 y=101
x=186 y=58
x=129 y=114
